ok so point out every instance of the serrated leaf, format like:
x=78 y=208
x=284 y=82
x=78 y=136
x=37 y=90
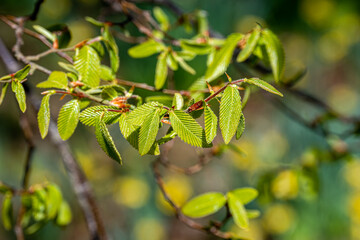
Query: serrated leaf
x=53 y=200
x=264 y=85
x=241 y=127
x=109 y=93
x=105 y=140
x=171 y=62
x=222 y=58
x=55 y=80
x=19 y=91
x=46 y=33
x=148 y=132
x=204 y=205
x=138 y=115
x=87 y=63
x=230 y=112
x=3 y=92
x=178 y=101
x=64 y=215
x=112 y=49
x=195 y=47
x=88 y=116
x=188 y=129
x=238 y=211
x=210 y=124
x=6 y=211
x=68 y=119
x=162 y=18
x=106 y=73
x=161 y=70
x=245 y=195
x=43 y=116
x=22 y=73
x=250 y=46
x=146 y=49
x=275 y=52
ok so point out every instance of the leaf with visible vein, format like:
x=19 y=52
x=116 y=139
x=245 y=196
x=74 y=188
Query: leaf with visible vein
x=89 y=115
x=138 y=115
x=56 y=79
x=178 y=101
x=204 y=205
x=105 y=140
x=112 y=49
x=250 y=46
x=264 y=85
x=146 y=49
x=22 y=73
x=148 y=131
x=161 y=70
x=19 y=91
x=87 y=63
x=230 y=112
x=210 y=124
x=43 y=116
x=68 y=118
x=241 y=127
x=188 y=129
x=238 y=211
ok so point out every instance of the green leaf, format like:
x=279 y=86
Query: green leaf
x=6 y=77
x=171 y=134
x=22 y=73
x=264 y=85
x=138 y=115
x=43 y=116
x=161 y=70
x=148 y=132
x=195 y=47
x=19 y=91
x=230 y=112
x=68 y=67
x=210 y=124
x=178 y=101
x=53 y=200
x=251 y=43
x=106 y=73
x=252 y=213
x=99 y=48
x=3 y=92
x=188 y=129
x=146 y=49
x=241 y=127
x=88 y=116
x=62 y=33
x=187 y=56
x=245 y=195
x=222 y=58
x=94 y=21
x=68 y=118
x=105 y=140
x=163 y=99
x=238 y=211
x=46 y=33
x=112 y=49
x=87 y=63
x=171 y=62
x=183 y=64
x=109 y=93
x=275 y=52
x=56 y=80
x=7 y=211
x=162 y=18
x=202 y=21
x=64 y=215
x=204 y=205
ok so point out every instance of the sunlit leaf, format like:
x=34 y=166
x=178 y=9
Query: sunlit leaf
x=163 y=99
x=55 y=80
x=22 y=73
x=43 y=116
x=250 y=45
x=183 y=64
x=264 y=85
x=19 y=91
x=89 y=115
x=3 y=92
x=53 y=200
x=252 y=213
x=87 y=63
x=68 y=67
x=68 y=118
x=161 y=70
x=109 y=93
x=195 y=47
x=46 y=33
x=162 y=18
x=112 y=49
x=106 y=73
x=138 y=115
x=7 y=211
x=178 y=101
x=204 y=205
x=64 y=214
x=238 y=211
x=148 y=131
x=171 y=62
x=245 y=195
x=94 y=21
x=210 y=124
x=146 y=49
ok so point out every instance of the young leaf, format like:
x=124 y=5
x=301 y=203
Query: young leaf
x=49 y=35
x=210 y=124
x=138 y=115
x=19 y=91
x=88 y=116
x=241 y=127
x=22 y=73
x=204 y=205
x=275 y=52
x=6 y=211
x=53 y=200
x=163 y=99
x=105 y=140
x=230 y=112
x=171 y=134
x=109 y=93
x=94 y=21
x=68 y=67
x=252 y=213
x=6 y=77
x=183 y=64
x=250 y=46
x=106 y=73
x=188 y=129
x=222 y=58
x=112 y=49
x=43 y=116
x=195 y=47
x=171 y=62
x=3 y=92
x=64 y=214
x=245 y=195
x=264 y=85
x=161 y=70
x=178 y=101
x=148 y=132
x=162 y=18
x=87 y=63
x=146 y=49
x=238 y=211
x=56 y=80
x=68 y=119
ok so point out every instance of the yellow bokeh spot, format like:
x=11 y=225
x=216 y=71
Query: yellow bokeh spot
x=278 y=219
x=179 y=189
x=333 y=46
x=247 y=161
x=132 y=192
x=354 y=207
x=149 y=229
x=317 y=12
x=351 y=174
x=254 y=233
x=343 y=98
x=274 y=145
x=285 y=185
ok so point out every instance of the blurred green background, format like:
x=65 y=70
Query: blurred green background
x=303 y=193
